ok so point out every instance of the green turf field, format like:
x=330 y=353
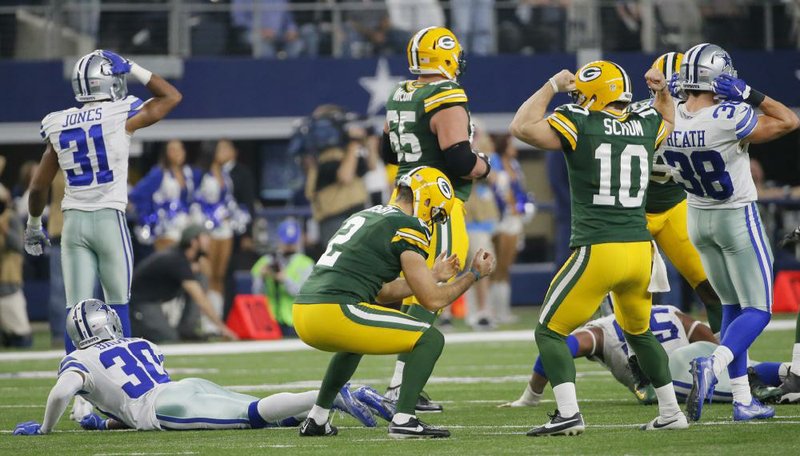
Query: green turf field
x=471 y=379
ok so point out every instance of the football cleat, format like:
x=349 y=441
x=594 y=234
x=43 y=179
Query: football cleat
x=755 y=411
x=642 y=388
x=350 y=405
x=310 y=428
x=703 y=381
x=383 y=406
x=676 y=421
x=424 y=404
x=790 y=389
x=558 y=425
x=416 y=429
x=766 y=394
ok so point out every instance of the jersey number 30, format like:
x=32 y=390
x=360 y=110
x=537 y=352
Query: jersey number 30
x=142 y=380
x=604 y=196
x=86 y=176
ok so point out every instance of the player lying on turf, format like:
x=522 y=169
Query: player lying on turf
x=682 y=337
x=125 y=379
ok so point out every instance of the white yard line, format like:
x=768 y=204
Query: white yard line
x=291 y=345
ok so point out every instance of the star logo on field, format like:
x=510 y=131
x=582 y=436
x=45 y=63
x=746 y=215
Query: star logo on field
x=379 y=86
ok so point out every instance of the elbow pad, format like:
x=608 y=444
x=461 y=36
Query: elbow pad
x=387 y=154
x=459 y=159
x=485 y=159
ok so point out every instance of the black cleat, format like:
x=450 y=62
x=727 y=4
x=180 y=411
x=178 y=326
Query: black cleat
x=766 y=394
x=416 y=429
x=559 y=425
x=424 y=404
x=790 y=389
x=310 y=428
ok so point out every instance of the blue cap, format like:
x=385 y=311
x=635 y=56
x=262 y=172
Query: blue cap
x=289 y=231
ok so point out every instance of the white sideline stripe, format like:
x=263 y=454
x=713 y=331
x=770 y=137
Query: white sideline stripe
x=29 y=375
x=291 y=345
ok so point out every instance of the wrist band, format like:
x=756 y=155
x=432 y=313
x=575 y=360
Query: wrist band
x=141 y=75
x=475 y=273
x=553 y=84
x=755 y=98
x=34 y=222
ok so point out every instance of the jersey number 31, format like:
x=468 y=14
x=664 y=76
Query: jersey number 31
x=86 y=176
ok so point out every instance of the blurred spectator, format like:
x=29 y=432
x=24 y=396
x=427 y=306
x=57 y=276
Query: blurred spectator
x=413 y=15
x=57 y=308
x=15 y=329
x=268 y=25
x=162 y=277
x=516 y=209
x=725 y=23
x=679 y=23
x=768 y=190
x=368 y=30
x=215 y=207
x=331 y=154
x=375 y=178
x=83 y=16
x=534 y=26
x=280 y=275
x=20 y=192
x=622 y=25
x=473 y=24
x=161 y=199
x=562 y=211
x=209 y=30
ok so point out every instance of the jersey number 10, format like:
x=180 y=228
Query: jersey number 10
x=87 y=174
x=604 y=197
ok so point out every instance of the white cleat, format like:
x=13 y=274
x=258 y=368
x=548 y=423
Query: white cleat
x=80 y=408
x=676 y=421
x=519 y=403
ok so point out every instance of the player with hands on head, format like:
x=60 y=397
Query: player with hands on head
x=609 y=151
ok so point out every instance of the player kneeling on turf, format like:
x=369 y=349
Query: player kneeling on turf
x=125 y=379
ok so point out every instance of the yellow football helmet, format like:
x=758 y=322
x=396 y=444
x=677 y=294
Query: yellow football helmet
x=600 y=83
x=669 y=63
x=433 y=194
x=435 y=50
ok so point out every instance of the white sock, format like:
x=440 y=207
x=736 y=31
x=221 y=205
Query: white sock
x=286 y=405
x=667 y=402
x=494 y=298
x=401 y=418
x=783 y=371
x=397 y=377
x=796 y=359
x=319 y=415
x=529 y=396
x=504 y=300
x=217 y=303
x=740 y=388
x=566 y=399
x=722 y=357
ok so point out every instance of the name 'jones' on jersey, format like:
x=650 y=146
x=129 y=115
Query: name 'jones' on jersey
x=92 y=146
x=708 y=156
x=609 y=157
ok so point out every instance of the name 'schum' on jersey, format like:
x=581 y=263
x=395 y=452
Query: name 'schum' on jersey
x=708 y=157
x=363 y=255
x=609 y=158
x=92 y=147
x=121 y=378
x=408 y=114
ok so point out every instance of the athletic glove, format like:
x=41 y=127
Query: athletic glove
x=119 y=64
x=93 y=422
x=791 y=238
x=674 y=86
x=730 y=88
x=35 y=240
x=28 y=428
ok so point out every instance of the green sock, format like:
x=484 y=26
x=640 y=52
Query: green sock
x=651 y=356
x=419 y=365
x=340 y=370
x=420 y=313
x=712 y=303
x=714 y=314
x=556 y=357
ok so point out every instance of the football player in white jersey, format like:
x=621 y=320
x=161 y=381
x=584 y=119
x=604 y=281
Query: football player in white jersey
x=707 y=151
x=90 y=144
x=125 y=379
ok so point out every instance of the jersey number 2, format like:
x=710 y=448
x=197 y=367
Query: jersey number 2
x=343 y=235
x=604 y=196
x=86 y=176
x=401 y=140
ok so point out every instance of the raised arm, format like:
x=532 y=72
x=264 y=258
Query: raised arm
x=529 y=124
x=663 y=100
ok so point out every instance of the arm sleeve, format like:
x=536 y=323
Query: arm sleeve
x=67 y=385
x=746 y=120
x=565 y=123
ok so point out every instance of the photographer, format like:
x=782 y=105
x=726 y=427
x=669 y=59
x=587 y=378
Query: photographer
x=331 y=147
x=279 y=276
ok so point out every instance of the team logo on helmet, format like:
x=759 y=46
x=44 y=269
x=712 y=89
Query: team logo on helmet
x=590 y=73
x=444 y=187
x=446 y=42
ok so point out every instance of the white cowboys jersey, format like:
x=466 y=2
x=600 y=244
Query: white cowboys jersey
x=122 y=379
x=92 y=146
x=707 y=156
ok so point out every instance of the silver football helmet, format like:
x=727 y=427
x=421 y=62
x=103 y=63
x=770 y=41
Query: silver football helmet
x=92 y=79
x=92 y=321
x=702 y=64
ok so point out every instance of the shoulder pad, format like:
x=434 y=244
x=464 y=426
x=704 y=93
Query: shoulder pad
x=447 y=92
x=573 y=108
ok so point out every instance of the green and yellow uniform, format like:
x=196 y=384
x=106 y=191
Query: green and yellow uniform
x=408 y=115
x=609 y=159
x=333 y=309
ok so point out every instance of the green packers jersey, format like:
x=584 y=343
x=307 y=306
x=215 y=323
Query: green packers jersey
x=663 y=193
x=363 y=255
x=408 y=114
x=609 y=158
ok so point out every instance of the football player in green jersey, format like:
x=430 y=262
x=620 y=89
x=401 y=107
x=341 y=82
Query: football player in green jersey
x=609 y=153
x=334 y=310
x=428 y=124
